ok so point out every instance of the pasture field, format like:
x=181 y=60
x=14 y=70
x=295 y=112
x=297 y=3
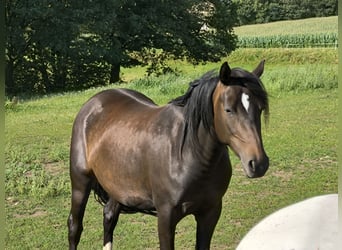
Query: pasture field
x=300 y=139
x=305 y=33
x=317 y=25
x=316 y=64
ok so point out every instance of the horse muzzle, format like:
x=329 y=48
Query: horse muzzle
x=256 y=168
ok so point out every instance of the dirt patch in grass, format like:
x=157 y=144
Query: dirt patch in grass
x=53 y=168
x=34 y=214
x=283 y=175
x=20 y=212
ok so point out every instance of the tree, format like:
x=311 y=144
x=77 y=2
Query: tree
x=246 y=12
x=43 y=49
x=261 y=11
x=61 y=45
x=194 y=30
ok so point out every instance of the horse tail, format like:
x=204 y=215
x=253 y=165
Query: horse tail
x=100 y=195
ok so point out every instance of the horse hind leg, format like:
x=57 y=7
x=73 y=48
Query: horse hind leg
x=81 y=187
x=111 y=212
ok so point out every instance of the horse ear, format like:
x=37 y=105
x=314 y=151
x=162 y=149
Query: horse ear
x=225 y=73
x=259 y=69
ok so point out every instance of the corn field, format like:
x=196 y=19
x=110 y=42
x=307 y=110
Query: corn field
x=328 y=40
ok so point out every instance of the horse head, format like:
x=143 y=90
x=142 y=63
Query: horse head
x=238 y=101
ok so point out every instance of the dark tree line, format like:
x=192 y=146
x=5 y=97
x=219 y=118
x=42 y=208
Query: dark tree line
x=264 y=11
x=70 y=45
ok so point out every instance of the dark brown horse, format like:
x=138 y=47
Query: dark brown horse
x=170 y=161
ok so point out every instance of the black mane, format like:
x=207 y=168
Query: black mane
x=197 y=102
x=198 y=107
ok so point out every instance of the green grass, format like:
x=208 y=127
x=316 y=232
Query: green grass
x=304 y=26
x=300 y=140
x=324 y=40
x=305 y=33
x=316 y=64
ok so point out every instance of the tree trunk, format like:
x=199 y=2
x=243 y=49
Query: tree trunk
x=9 y=80
x=115 y=73
x=60 y=73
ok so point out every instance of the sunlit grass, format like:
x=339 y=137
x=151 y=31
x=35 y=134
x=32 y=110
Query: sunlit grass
x=300 y=140
x=303 y=26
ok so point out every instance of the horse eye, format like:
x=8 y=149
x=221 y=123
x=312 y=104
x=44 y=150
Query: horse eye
x=228 y=110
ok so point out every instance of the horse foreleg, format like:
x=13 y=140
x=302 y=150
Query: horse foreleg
x=111 y=213
x=167 y=222
x=79 y=198
x=206 y=223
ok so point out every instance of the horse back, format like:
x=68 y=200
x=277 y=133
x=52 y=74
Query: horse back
x=105 y=111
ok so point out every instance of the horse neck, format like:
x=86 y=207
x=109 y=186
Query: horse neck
x=205 y=149
x=208 y=146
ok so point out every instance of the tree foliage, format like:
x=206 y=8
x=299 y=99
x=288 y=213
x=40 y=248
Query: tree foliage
x=263 y=11
x=67 y=45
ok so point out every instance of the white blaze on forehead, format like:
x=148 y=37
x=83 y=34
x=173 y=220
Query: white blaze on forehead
x=245 y=101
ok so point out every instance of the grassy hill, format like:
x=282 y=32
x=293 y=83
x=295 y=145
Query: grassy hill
x=303 y=26
x=312 y=32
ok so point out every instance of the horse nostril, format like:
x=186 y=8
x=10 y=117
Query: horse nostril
x=258 y=168
x=252 y=165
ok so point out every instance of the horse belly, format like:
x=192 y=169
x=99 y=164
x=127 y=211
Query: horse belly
x=123 y=172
